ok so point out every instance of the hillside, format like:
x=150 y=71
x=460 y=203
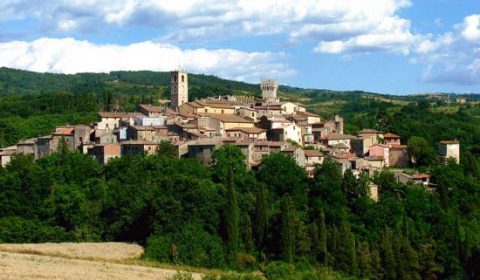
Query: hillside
x=32 y=104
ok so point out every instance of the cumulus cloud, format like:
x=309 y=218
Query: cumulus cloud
x=452 y=57
x=337 y=26
x=72 y=56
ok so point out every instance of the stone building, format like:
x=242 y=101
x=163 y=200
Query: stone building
x=449 y=149
x=269 y=90
x=179 y=88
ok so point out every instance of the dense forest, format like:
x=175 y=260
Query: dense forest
x=275 y=220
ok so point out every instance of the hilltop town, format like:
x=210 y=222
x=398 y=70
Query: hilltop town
x=258 y=126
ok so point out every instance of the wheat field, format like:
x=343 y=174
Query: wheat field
x=68 y=261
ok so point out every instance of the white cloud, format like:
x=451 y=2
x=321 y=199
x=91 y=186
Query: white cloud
x=452 y=57
x=360 y=25
x=471 y=28
x=72 y=56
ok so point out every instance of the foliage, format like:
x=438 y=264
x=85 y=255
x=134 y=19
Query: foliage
x=187 y=213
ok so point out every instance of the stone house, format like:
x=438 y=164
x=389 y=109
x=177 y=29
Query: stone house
x=297 y=153
x=150 y=133
x=398 y=156
x=391 y=139
x=380 y=151
x=138 y=147
x=247 y=133
x=449 y=149
x=104 y=152
x=420 y=178
x=151 y=110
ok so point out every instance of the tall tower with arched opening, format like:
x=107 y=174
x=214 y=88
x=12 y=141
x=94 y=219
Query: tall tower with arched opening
x=179 y=88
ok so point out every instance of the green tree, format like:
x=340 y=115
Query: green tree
x=420 y=151
x=287 y=231
x=282 y=175
x=166 y=148
x=261 y=216
x=232 y=215
x=387 y=255
x=225 y=158
x=364 y=260
x=346 y=253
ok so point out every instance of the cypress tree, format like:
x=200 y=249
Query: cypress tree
x=303 y=242
x=376 y=265
x=287 y=230
x=388 y=256
x=315 y=241
x=322 y=239
x=261 y=216
x=346 y=252
x=247 y=233
x=364 y=260
x=232 y=216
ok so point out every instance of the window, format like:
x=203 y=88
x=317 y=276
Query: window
x=183 y=78
x=223 y=111
x=253 y=115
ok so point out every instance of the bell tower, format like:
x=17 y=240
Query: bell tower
x=179 y=88
x=269 y=90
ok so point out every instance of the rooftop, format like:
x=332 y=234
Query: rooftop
x=338 y=136
x=113 y=114
x=313 y=153
x=391 y=136
x=251 y=130
x=449 y=142
x=151 y=108
x=228 y=118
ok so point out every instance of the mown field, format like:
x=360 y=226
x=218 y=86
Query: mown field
x=77 y=261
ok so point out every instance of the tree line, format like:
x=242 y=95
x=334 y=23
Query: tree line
x=274 y=219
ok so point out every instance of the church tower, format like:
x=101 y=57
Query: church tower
x=179 y=88
x=269 y=90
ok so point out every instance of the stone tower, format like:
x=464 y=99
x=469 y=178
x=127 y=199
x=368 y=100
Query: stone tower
x=179 y=88
x=269 y=90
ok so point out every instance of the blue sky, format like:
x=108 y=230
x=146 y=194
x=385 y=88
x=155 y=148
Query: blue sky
x=388 y=46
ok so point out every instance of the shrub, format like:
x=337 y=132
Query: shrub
x=245 y=261
x=20 y=230
x=181 y=276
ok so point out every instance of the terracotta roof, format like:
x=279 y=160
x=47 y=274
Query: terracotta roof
x=229 y=118
x=368 y=131
x=215 y=104
x=138 y=142
x=269 y=143
x=308 y=114
x=113 y=114
x=66 y=131
x=151 y=108
x=252 y=130
x=421 y=176
x=390 y=136
x=340 y=146
x=343 y=156
x=449 y=142
x=397 y=147
x=146 y=128
x=270 y=107
x=313 y=153
x=338 y=136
